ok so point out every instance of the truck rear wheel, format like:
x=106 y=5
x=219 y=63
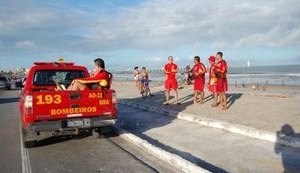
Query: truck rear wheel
x=30 y=144
x=106 y=129
x=101 y=132
x=29 y=138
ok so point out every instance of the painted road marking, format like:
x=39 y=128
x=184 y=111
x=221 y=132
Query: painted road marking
x=26 y=167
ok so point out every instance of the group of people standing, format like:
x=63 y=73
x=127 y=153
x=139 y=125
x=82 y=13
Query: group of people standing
x=217 y=82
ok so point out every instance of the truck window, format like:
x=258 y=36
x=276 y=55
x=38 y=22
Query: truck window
x=3 y=79
x=51 y=77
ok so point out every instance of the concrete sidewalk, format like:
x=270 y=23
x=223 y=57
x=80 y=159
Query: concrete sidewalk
x=269 y=112
x=212 y=149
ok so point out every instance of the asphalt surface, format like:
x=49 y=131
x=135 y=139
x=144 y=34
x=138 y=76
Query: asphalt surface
x=212 y=149
x=83 y=153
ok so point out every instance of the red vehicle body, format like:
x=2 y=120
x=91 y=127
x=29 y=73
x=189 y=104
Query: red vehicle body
x=43 y=109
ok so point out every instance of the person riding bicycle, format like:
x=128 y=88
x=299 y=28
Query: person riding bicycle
x=145 y=80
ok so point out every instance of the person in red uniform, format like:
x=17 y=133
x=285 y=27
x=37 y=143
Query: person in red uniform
x=198 y=73
x=100 y=77
x=170 y=71
x=212 y=81
x=221 y=74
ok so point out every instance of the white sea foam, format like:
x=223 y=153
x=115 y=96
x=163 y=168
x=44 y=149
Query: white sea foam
x=294 y=74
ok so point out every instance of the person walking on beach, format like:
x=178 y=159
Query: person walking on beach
x=212 y=80
x=170 y=71
x=221 y=74
x=198 y=73
x=136 y=74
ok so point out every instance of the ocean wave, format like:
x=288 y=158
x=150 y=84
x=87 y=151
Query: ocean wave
x=248 y=75
x=293 y=74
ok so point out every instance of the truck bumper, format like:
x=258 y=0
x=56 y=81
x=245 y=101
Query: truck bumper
x=62 y=125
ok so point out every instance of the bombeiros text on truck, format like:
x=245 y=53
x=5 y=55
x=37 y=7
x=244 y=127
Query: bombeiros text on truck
x=46 y=106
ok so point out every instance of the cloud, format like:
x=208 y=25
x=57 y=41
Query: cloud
x=156 y=60
x=151 y=26
x=277 y=36
x=219 y=45
x=26 y=44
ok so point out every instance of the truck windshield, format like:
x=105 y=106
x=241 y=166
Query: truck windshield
x=51 y=77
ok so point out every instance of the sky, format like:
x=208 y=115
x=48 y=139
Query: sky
x=126 y=33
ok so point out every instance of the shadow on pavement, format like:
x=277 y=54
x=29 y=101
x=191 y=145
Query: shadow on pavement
x=187 y=156
x=208 y=98
x=231 y=98
x=289 y=162
x=9 y=100
x=59 y=139
x=137 y=122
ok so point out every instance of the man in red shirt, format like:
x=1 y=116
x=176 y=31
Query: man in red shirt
x=221 y=74
x=171 y=70
x=198 y=72
x=100 y=77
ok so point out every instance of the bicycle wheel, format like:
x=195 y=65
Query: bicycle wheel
x=180 y=81
x=146 y=91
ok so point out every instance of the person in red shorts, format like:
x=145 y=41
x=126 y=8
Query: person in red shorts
x=198 y=73
x=170 y=71
x=212 y=81
x=100 y=76
x=221 y=74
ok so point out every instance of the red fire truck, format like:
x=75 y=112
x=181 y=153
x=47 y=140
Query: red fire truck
x=45 y=109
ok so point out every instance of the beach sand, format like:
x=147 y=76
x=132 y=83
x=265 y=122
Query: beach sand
x=267 y=110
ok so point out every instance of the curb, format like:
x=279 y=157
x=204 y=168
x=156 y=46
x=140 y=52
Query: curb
x=172 y=159
x=230 y=127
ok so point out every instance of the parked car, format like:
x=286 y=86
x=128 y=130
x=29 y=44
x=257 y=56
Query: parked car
x=20 y=83
x=5 y=82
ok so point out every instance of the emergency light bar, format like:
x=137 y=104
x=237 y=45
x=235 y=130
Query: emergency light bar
x=54 y=63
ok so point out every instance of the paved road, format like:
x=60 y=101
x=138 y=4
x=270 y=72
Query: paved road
x=84 y=153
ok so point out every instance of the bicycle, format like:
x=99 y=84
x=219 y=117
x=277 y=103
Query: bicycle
x=183 y=79
x=145 y=90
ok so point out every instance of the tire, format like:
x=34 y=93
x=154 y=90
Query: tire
x=8 y=87
x=29 y=138
x=180 y=81
x=145 y=93
x=30 y=144
x=106 y=129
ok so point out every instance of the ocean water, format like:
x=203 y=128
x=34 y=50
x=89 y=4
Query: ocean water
x=278 y=75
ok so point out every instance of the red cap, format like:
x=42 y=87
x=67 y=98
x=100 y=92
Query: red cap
x=212 y=58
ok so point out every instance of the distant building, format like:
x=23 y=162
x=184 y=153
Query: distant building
x=248 y=63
